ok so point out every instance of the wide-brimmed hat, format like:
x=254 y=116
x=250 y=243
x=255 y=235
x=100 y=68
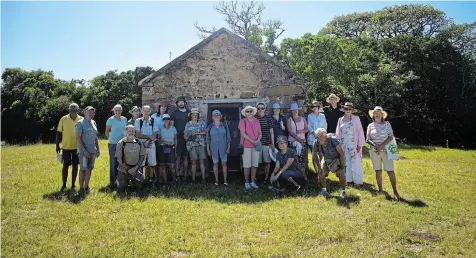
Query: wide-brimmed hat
x=194 y=111
x=89 y=108
x=165 y=116
x=276 y=105
x=216 y=112
x=294 y=106
x=348 y=105
x=281 y=138
x=379 y=109
x=243 y=111
x=181 y=98
x=316 y=103
x=328 y=99
x=131 y=111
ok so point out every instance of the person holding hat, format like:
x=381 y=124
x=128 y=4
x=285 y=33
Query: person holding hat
x=167 y=144
x=114 y=132
x=267 y=138
x=66 y=136
x=250 y=130
x=297 y=128
x=350 y=133
x=88 y=148
x=279 y=122
x=135 y=112
x=379 y=134
x=218 y=144
x=179 y=119
x=332 y=113
x=315 y=120
x=287 y=166
x=195 y=133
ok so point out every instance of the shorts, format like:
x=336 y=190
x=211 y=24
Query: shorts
x=250 y=158
x=264 y=155
x=150 y=157
x=198 y=153
x=70 y=157
x=295 y=174
x=217 y=159
x=332 y=167
x=378 y=159
x=166 y=158
x=86 y=163
x=181 y=146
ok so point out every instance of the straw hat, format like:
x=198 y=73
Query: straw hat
x=194 y=111
x=328 y=100
x=348 y=105
x=243 y=111
x=379 y=109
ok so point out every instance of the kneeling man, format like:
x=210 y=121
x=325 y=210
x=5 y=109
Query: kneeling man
x=287 y=166
x=130 y=154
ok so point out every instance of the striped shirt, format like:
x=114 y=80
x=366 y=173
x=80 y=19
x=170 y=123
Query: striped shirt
x=266 y=124
x=378 y=133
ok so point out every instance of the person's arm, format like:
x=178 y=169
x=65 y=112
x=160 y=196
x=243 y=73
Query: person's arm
x=341 y=155
x=271 y=131
x=243 y=133
x=305 y=130
x=369 y=141
x=97 y=147
x=119 y=157
x=324 y=122
x=260 y=134
x=273 y=176
x=81 y=145
x=360 y=136
x=311 y=123
x=338 y=133
x=208 y=141
x=186 y=132
x=228 y=139
x=288 y=125
x=59 y=135
x=108 y=130
x=316 y=159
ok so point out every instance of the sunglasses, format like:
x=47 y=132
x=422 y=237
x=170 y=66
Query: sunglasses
x=249 y=111
x=348 y=109
x=260 y=108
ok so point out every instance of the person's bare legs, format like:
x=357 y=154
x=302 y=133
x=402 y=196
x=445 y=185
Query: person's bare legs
x=342 y=182
x=157 y=172
x=215 y=172
x=177 y=166
x=378 y=176
x=185 y=166
x=266 y=170
x=171 y=167
x=393 y=181
x=291 y=180
x=87 y=177
x=194 y=169
x=202 y=169
x=74 y=175
x=225 y=172
x=81 y=179
x=163 y=172
x=253 y=172
x=247 y=174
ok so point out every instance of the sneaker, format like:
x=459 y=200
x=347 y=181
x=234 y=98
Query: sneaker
x=81 y=193
x=63 y=188
x=226 y=184
x=247 y=186
x=324 y=193
x=343 y=195
x=253 y=184
x=216 y=183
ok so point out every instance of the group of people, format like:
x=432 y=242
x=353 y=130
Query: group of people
x=147 y=146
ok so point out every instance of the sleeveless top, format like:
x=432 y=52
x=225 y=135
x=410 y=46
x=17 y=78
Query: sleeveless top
x=299 y=125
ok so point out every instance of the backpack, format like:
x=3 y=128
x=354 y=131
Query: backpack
x=141 y=121
x=136 y=140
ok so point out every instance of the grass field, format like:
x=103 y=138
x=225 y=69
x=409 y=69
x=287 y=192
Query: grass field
x=438 y=217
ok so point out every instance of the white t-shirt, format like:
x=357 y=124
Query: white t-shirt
x=378 y=133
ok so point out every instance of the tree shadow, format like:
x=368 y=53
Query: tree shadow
x=65 y=196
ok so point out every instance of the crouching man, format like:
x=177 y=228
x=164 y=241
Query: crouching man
x=327 y=155
x=287 y=166
x=130 y=154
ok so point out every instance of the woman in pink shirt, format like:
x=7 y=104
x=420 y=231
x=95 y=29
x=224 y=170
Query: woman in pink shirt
x=250 y=130
x=350 y=134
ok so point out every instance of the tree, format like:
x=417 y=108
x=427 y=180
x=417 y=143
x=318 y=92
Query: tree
x=245 y=20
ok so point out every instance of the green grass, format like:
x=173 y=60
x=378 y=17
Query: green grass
x=438 y=219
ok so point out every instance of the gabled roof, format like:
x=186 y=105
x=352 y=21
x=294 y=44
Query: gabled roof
x=146 y=80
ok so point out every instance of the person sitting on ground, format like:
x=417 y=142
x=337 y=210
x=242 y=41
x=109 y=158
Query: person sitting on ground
x=287 y=165
x=327 y=155
x=130 y=153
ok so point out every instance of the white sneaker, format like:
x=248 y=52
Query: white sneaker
x=253 y=184
x=247 y=186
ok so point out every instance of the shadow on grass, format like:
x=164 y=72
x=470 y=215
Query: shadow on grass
x=414 y=203
x=65 y=196
x=404 y=146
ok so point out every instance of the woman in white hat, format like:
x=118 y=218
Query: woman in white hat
x=350 y=133
x=195 y=134
x=297 y=128
x=379 y=134
x=250 y=130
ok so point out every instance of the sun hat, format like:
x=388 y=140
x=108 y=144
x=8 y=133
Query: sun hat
x=243 y=111
x=281 y=139
x=273 y=153
x=294 y=106
x=379 y=109
x=73 y=107
x=261 y=103
x=276 y=105
x=89 y=108
x=134 y=108
x=348 y=105
x=216 y=112
x=194 y=111
x=328 y=99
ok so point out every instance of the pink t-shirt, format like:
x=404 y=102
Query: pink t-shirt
x=251 y=129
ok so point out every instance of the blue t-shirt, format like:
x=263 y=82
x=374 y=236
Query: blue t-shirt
x=89 y=135
x=117 y=129
x=157 y=120
x=167 y=135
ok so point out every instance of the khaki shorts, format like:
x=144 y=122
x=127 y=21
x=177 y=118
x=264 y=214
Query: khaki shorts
x=198 y=153
x=150 y=157
x=250 y=158
x=333 y=167
x=264 y=155
x=378 y=159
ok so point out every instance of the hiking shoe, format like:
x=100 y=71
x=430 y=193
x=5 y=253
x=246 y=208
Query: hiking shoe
x=324 y=193
x=343 y=195
x=63 y=188
x=81 y=193
x=247 y=186
x=253 y=184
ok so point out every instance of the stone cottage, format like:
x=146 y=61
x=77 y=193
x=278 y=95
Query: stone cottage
x=225 y=72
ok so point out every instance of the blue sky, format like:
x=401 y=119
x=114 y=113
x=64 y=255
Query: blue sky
x=84 y=39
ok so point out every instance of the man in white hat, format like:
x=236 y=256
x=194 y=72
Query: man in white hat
x=67 y=137
x=332 y=113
